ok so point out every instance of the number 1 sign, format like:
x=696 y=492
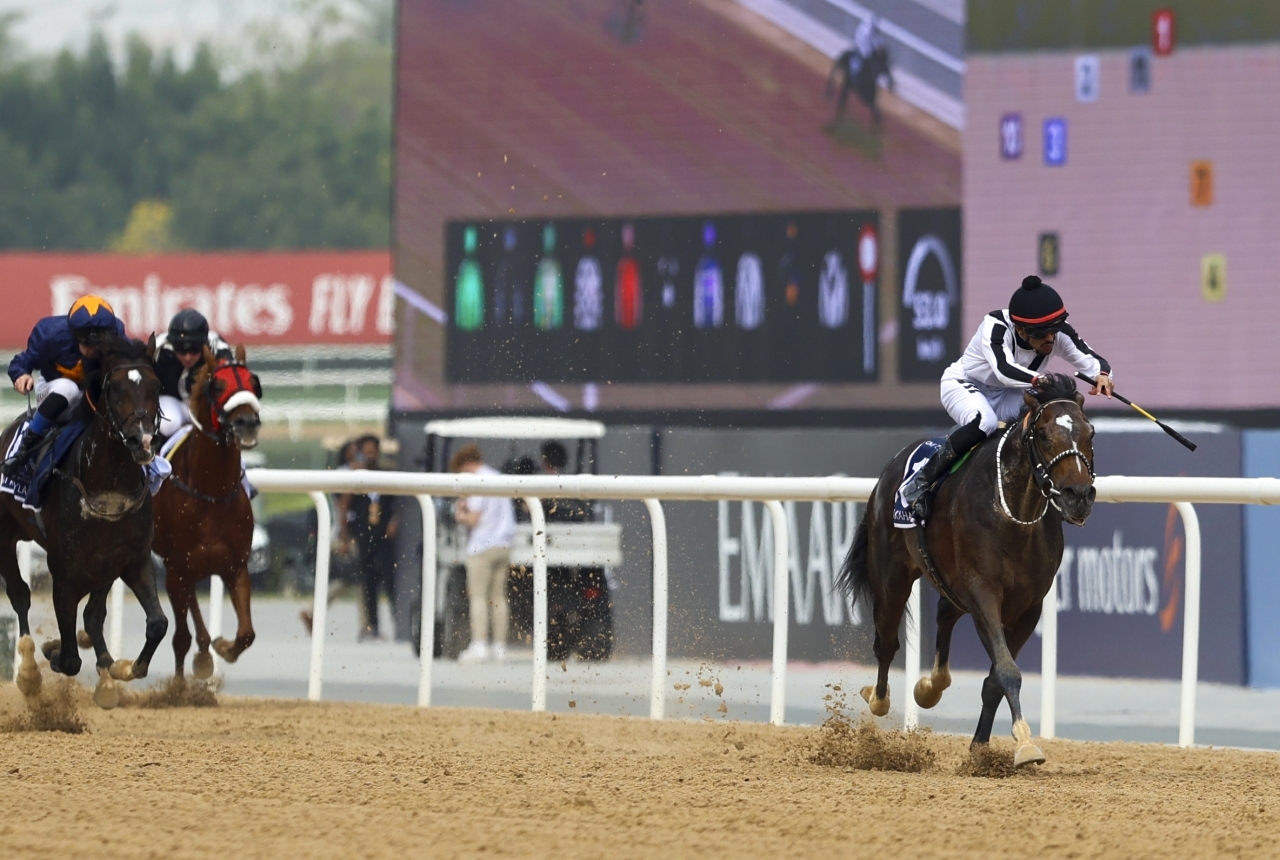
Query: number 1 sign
x=1055 y=141
x=1011 y=136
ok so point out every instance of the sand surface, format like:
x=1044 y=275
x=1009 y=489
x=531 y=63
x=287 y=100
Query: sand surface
x=264 y=778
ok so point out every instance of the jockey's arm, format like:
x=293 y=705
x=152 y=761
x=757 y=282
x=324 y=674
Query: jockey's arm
x=996 y=352
x=1071 y=346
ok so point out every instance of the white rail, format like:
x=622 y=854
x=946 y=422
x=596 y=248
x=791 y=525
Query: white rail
x=1182 y=492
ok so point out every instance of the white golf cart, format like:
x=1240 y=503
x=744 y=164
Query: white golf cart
x=580 y=544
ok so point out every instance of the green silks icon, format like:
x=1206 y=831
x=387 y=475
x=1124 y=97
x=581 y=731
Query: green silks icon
x=548 y=285
x=469 y=296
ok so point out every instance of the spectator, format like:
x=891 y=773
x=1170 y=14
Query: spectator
x=492 y=524
x=371 y=523
x=555 y=459
x=339 y=577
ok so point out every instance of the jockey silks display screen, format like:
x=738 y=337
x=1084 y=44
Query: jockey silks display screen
x=727 y=298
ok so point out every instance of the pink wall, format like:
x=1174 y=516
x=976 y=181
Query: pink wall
x=1131 y=240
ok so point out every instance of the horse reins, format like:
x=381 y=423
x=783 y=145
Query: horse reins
x=1040 y=467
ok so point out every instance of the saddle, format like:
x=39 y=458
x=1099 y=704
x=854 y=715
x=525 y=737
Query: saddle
x=28 y=487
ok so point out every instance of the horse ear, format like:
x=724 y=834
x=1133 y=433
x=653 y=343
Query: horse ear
x=1030 y=399
x=240 y=354
x=208 y=356
x=1079 y=399
x=151 y=347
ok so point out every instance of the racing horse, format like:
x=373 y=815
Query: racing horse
x=95 y=520
x=991 y=548
x=204 y=524
x=860 y=75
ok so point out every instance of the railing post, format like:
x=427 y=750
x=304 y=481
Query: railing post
x=320 y=604
x=539 y=523
x=911 y=713
x=1049 y=662
x=1190 y=626
x=216 y=591
x=658 y=685
x=781 y=613
x=115 y=635
x=427 y=610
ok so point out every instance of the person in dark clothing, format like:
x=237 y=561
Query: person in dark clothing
x=371 y=522
x=555 y=459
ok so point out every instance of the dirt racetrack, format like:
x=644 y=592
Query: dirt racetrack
x=263 y=778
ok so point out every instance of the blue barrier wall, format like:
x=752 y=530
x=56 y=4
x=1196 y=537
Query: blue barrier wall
x=1262 y=562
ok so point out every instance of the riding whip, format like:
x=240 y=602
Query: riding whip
x=1187 y=443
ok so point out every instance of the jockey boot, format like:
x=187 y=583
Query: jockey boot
x=919 y=490
x=21 y=458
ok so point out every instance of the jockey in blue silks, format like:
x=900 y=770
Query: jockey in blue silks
x=57 y=348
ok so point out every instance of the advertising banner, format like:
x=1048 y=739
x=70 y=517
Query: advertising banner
x=256 y=299
x=716 y=298
x=932 y=272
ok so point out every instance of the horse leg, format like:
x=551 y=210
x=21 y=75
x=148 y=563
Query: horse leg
x=239 y=590
x=105 y=695
x=1004 y=680
x=888 y=616
x=62 y=653
x=928 y=690
x=142 y=581
x=180 y=597
x=202 y=665
x=28 y=675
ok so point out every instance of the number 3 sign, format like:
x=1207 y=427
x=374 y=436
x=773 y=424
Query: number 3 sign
x=1055 y=141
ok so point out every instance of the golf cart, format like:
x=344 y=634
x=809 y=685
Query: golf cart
x=580 y=544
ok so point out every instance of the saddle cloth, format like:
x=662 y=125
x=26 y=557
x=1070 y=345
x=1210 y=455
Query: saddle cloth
x=901 y=510
x=28 y=487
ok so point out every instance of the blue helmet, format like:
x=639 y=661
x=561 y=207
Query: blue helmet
x=91 y=314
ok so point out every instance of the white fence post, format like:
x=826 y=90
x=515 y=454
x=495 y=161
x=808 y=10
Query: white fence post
x=658 y=685
x=1049 y=662
x=216 y=594
x=539 y=523
x=1190 y=626
x=911 y=713
x=115 y=636
x=320 y=604
x=427 y=612
x=781 y=612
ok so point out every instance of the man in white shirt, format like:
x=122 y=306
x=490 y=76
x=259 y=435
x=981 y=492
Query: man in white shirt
x=492 y=524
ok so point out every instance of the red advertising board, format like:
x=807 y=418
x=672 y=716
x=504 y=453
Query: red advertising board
x=1162 y=32
x=338 y=297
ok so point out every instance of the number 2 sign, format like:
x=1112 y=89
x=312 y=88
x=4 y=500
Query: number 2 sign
x=1055 y=141
x=1011 y=136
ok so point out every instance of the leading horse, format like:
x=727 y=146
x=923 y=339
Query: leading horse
x=204 y=524
x=95 y=521
x=991 y=547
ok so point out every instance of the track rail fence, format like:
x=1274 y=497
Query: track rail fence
x=1184 y=493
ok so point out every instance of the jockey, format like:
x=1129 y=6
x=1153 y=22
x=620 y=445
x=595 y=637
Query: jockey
x=57 y=348
x=1005 y=358
x=179 y=351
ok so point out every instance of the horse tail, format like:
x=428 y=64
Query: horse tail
x=854 y=578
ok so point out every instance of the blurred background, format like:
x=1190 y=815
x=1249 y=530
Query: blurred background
x=745 y=235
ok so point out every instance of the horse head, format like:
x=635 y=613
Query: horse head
x=128 y=394
x=228 y=393
x=1060 y=442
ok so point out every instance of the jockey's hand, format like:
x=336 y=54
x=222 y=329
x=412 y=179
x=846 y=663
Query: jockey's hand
x=1103 y=385
x=24 y=383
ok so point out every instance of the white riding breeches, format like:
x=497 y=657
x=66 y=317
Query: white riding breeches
x=174 y=415
x=962 y=400
x=66 y=387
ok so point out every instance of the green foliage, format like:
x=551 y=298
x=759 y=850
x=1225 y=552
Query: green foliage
x=295 y=157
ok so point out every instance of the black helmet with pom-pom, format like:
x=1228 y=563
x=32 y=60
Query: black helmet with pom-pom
x=1038 y=307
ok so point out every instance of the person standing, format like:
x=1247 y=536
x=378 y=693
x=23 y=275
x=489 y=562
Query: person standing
x=491 y=521
x=371 y=522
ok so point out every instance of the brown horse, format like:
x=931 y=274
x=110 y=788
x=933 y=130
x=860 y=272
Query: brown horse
x=991 y=548
x=204 y=524
x=95 y=521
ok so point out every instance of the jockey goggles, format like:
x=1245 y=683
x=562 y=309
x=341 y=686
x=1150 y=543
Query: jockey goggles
x=1044 y=329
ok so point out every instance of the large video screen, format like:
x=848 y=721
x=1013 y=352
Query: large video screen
x=663 y=208
x=742 y=298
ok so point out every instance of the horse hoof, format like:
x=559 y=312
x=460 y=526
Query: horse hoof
x=928 y=693
x=122 y=670
x=50 y=649
x=879 y=707
x=224 y=649
x=139 y=669
x=28 y=678
x=106 y=695
x=1027 y=754
x=83 y=640
x=202 y=666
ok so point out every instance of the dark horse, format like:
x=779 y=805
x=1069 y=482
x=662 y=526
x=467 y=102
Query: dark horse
x=95 y=521
x=860 y=75
x=994 y=542
x=204 y=525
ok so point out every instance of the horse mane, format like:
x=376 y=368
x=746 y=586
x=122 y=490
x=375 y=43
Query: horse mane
x=1057 y=386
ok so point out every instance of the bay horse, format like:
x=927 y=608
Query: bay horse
x=865 y=81
x=95 y=521
x=991 y=547
x=204 y=524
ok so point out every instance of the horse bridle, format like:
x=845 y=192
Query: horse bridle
x=117 y=426
x=1040 y=466
x=223 y=433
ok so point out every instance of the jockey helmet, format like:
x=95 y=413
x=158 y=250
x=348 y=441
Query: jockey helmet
x=188 y=331
x=89 y=317
x=1037 y=307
